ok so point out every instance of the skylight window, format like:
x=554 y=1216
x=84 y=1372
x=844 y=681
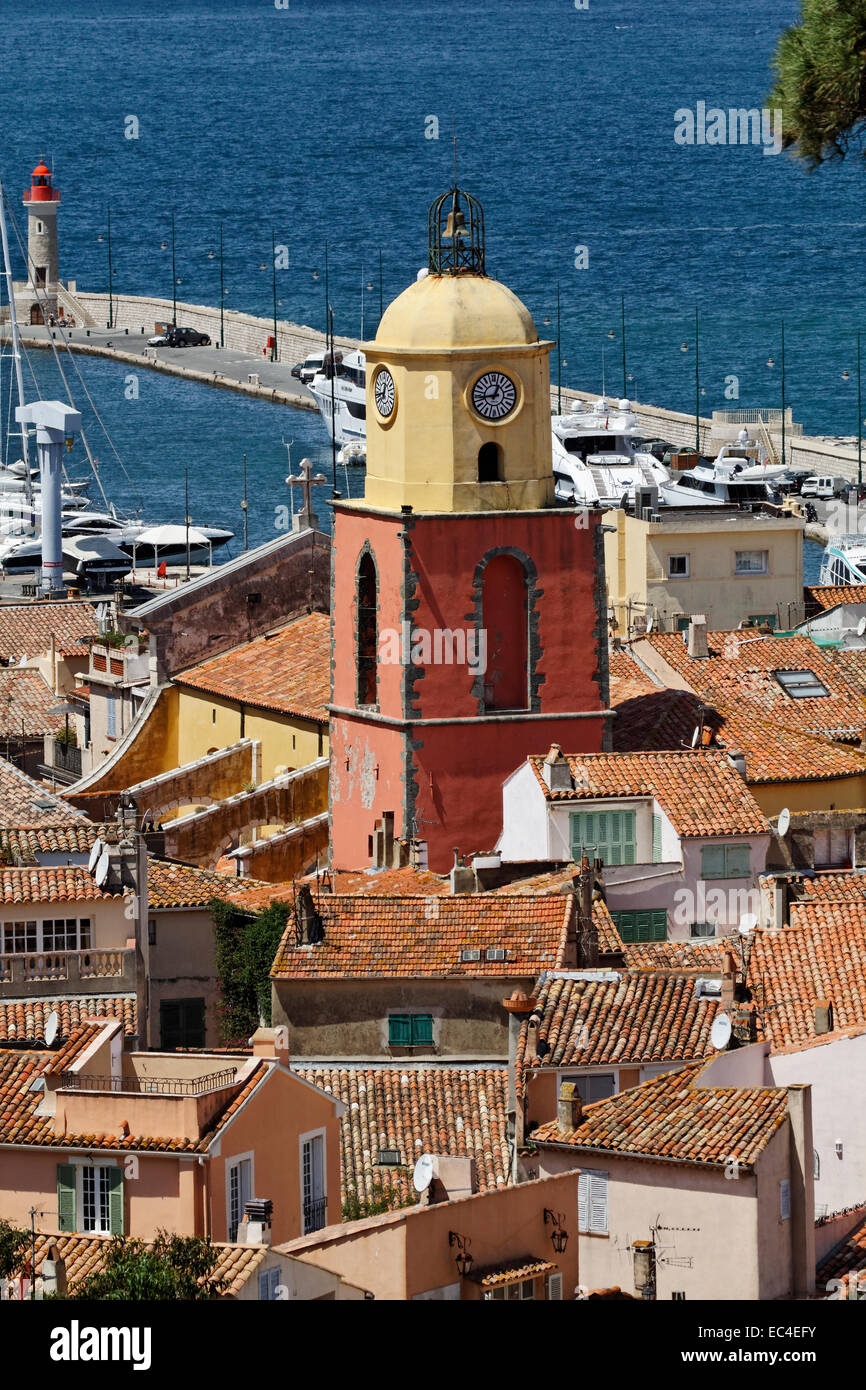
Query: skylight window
x=801 y=685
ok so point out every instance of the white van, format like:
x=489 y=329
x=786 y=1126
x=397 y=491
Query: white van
x=311 y=366
x=818 y=487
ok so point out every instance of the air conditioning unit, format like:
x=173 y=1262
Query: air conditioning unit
x=646 y=501
x=470 y=955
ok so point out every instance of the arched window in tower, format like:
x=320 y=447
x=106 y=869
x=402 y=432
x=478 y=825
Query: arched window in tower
x=505 y=624
x=367 y=638
x=490 y=463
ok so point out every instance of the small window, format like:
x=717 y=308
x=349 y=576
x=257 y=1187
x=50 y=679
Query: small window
x=785 y=1199
x=801 y=685
x=593 y=1086
x=751 y=561
x=410 y=1030
x=610 y=835
x=701 y=929
x=181 y=1023
x=725 y=861
x=151 y=931
x=816 y=1164
x=683 y=624
x=832 y=848
x=269 y=1283
x=678 y=566
x=489 y=463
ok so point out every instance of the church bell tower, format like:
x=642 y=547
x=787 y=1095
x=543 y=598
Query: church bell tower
x=469 y=614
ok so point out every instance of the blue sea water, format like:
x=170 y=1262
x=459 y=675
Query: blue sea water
x=311 y=122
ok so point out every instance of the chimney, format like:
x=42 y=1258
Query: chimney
x=823 y=1016
x=587 y=949
x=518 y=1007
x=53 y=1273
x=255 y=1228
x=272 y=1043
x=556 y=771
x=569 y=1108
x=697 y=647
x=308 y=922
x=738 y=761
x=462 y=877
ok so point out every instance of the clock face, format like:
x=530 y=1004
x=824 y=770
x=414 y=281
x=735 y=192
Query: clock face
x=494 y=395
x=383 y=392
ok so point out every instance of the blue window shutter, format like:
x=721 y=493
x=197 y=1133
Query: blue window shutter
x=737 y=865
x=66 y=1196
x=115 y=1201
x=422 y=1028
x=712 y=861
x=400 y=1030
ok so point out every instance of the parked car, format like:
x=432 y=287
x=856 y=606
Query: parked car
x=822 y=487
x=179 y=337
x=296 y=370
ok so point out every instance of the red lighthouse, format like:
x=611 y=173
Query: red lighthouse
x=469 y=617
x=41 y=200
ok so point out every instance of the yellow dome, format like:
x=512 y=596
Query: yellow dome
x=456 y=311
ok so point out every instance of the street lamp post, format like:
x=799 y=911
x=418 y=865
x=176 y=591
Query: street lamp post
x=222 y=293
x=110 y=275
x=697 y=389
x=173 y=278
x=558 y=352
x=783 y=393
x=274 y=268
x=624 y=378
x=859 y=424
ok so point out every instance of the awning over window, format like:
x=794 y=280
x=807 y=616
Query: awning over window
x=512 y=1272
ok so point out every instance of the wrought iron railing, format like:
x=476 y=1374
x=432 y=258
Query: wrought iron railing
x=150 y=1085
x=67 y=757
x=315 y=1215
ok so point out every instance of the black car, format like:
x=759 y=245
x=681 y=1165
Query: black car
x=186 y=337
x=296 y=371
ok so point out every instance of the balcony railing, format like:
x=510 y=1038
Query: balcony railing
x=150 y=1085
x=35 y=967
x=67 y=757
x=315 y=1215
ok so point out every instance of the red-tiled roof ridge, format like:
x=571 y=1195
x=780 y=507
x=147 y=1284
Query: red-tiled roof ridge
x=26 y=628
x=287 y=670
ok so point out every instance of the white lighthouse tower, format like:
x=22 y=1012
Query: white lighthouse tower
x=41 y=201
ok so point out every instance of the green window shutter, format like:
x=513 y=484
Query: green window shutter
x=611 y=850
x=400 y=1030
x=712 y=861
x=115 y=1201
x=657 y=838
x=659 y=925
x=422 y=1029
x=628 y=848
x=66 y=1196
x=737 y=865
x=625 y=925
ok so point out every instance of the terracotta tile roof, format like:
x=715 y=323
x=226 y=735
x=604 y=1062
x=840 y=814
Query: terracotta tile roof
x=702 y=794
x=512 y=1271
x=413 y=936
x=659 y=718
x=26 y=628
x=63 y=884
x=739 y=672
x=821 y=956
x=25 y=701
x=847 y=1259
x=171 y=885
x=19 y=795
x=19 y=1123
x=85 y=1255
x=851 y=662
x=675 y=955
x=22 y=846
x=288 y=671
x=639 y=1017
x=670 y=1117
x=74 y=1047
x=415 y=1109
x=405 y=882
x=23 y=1020
x=828 y=885
x=820 y=597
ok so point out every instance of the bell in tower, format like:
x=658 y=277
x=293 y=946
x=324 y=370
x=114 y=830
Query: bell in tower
x=455 y=243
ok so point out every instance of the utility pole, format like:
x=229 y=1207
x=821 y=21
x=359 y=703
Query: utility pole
x=274 y=269
x=110 y=276
x=222 y=293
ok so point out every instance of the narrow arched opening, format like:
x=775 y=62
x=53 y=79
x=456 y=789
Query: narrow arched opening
x=490 y=463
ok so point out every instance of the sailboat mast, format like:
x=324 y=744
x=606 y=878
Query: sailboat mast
x=16 y=351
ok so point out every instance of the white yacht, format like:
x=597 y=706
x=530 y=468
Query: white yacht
x=597 y=459
x=739 y=474
x=844 y=560
x=349 y=386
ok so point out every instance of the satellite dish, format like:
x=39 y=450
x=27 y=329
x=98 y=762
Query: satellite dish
x=748 y=922
x=696 y=736
x=96 y=851
x=720 y=1033
x=101 y=870
x=422 y=1174
x=784 y=822
x=52 y=1023
x=861 y=627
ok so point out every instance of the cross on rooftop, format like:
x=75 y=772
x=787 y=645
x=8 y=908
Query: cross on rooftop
x=306 y=518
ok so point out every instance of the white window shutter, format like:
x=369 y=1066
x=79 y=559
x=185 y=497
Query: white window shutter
x=554 y=1286
x=582 y=1202
x=598 y=1203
